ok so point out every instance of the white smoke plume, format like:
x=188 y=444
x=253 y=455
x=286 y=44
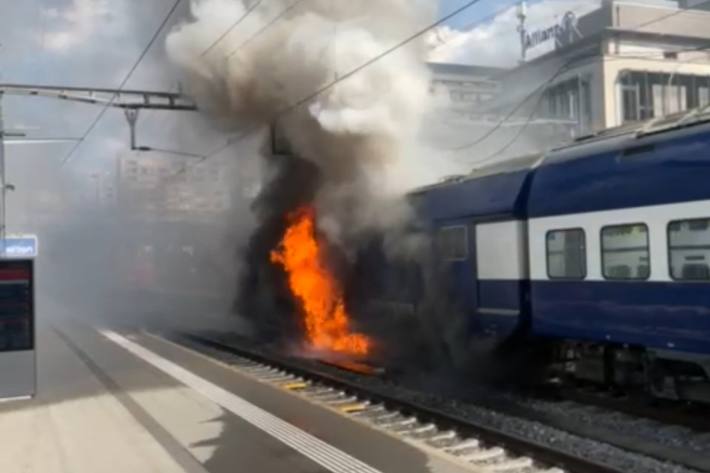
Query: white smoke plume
x=358 y=132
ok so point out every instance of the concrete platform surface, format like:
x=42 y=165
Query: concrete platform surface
x=128 y=402
x=75 y=424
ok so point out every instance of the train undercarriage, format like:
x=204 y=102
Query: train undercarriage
x=660 y=374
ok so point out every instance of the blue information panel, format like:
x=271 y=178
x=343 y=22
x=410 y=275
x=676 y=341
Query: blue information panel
x=16 y=305
x=19 y=246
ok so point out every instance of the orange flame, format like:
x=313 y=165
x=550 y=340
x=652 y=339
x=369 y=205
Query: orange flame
x=320 y=295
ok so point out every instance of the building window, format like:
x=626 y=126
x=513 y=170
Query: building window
x=625 y=252
x=689 y=249
x=456 y=96
x=566 y=254
x=570 y=100
x=703 y=96
x=646 y=95
x=452 y=243
x=630 y=103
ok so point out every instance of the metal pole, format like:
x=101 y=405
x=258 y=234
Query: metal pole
x=132 y=117
x=522 y=17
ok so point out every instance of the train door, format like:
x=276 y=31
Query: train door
x=501 y=272
x=456 y=251
x=472 y=275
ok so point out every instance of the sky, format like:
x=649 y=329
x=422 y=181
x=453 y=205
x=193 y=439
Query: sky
x=96 y=42
x=487 y=34
x=86 y=43
x=479 y=11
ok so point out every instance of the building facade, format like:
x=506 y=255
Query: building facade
x=626 y=62
x=172 y=188
x=463 y=89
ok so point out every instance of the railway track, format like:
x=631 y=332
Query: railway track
x=664 y=412
x=668 y=431
x=486 y=449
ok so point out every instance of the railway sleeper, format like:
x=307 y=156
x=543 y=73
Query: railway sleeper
x=463 y=445
x=398 y=424
x=447 y=436
x=509 y=465
x=479 y=455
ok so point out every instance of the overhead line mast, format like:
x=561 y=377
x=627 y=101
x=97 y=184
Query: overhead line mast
x=131 y=101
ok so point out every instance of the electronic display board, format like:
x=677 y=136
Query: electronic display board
x=16 y=306
x=17 y=329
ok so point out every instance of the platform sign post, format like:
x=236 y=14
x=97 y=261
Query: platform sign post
x=18 y=378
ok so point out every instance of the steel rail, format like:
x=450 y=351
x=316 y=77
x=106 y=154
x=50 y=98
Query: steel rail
x=518 y=445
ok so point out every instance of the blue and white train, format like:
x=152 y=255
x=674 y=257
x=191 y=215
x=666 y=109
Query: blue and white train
x=601 y=249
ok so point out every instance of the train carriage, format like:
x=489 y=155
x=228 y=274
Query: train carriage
x=480 y=233
x=601 y=248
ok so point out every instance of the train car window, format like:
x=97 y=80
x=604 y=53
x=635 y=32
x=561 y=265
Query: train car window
x=626 y=252
x=566 y=254
x=689 y=249
x=452 y=243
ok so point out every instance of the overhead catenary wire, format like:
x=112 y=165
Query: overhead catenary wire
x=236 y=23
x=268 y=25
x=328 y=86
x=525 y=100
x=537 y=90
x=262 y=30
x=100 y=115
x=670 y=15
x=236 y=139
x=471 y=26
x=289 y=108
x=534 y=110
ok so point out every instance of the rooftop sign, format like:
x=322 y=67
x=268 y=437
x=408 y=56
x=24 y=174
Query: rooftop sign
x=564 y=33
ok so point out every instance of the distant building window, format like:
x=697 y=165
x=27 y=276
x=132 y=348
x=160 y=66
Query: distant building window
x=631 y=111
x=625 y=252
x=646 y=95
x=570 y=100
x=452 y=243
x=689 y=249
x=470 y=97
x=566 y=254
x=456 y=96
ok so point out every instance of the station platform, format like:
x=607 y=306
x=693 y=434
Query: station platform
x=126 y=401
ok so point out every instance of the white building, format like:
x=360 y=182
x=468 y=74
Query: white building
x=627 y=61
x=463 y=89
x=172 y=187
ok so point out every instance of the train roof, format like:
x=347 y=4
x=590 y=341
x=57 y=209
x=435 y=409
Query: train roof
x=660 y=162
x=498 y=190
x=613 y=138
x=501 y=189
x=634 y=134
x=520 y=163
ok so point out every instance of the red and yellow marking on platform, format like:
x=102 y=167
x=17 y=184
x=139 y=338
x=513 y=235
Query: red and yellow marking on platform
x=354 y=407
x=295 y=385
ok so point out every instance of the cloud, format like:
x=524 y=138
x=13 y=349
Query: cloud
x=79 y=22
x=497 y=43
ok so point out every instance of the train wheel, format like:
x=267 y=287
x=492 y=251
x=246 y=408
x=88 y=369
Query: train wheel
x=660 y=381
